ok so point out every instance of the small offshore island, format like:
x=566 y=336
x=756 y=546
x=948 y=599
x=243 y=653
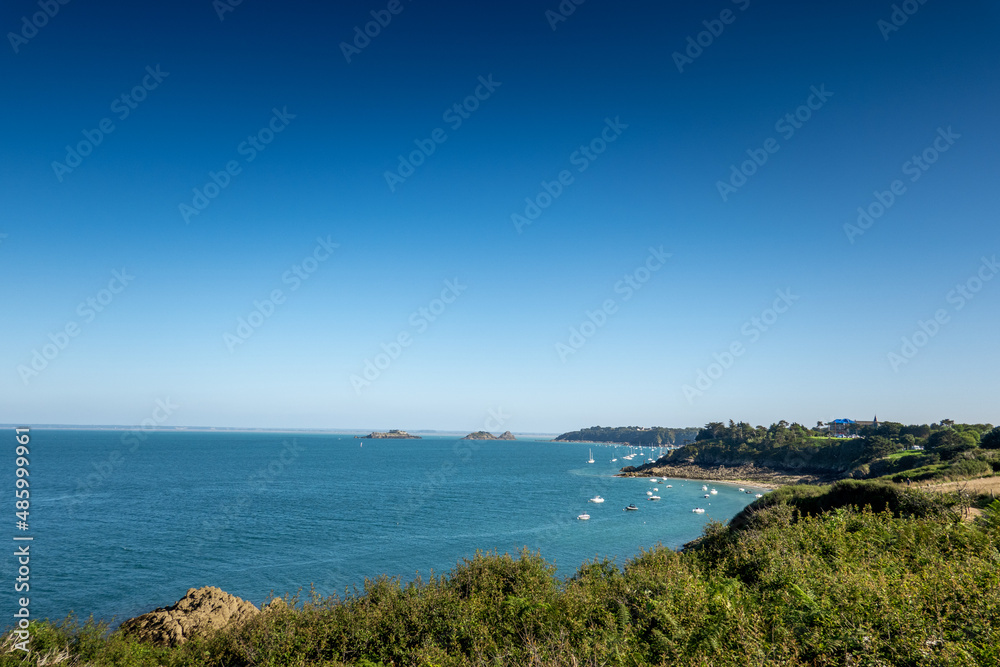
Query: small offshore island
x=486 y=435
x=394 y=434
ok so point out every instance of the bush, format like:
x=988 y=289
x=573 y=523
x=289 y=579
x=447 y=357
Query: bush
x=807 y=579
x=880 y=496
x=967 y=468
x=991 y=440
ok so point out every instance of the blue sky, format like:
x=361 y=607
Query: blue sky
x=505 y=341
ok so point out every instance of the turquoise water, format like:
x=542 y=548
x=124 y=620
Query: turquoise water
x=123 y=525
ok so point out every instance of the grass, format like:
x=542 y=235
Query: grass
x=811 y=576
x=908 y=452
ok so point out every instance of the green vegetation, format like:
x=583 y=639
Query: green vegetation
x=945 y=451
x=633 y=435
x=806 y=576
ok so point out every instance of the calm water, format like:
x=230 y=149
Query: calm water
x=122 y=527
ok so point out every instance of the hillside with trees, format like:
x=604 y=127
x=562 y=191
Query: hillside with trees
x=890 y=450
x=656 y=436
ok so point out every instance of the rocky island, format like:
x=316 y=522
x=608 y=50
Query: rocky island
x=394 y=434
x=485 y=435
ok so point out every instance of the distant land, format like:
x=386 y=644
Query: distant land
x=653 y=436
x=527 y=435
x=485 y=435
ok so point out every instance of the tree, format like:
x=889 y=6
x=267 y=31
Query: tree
x=877 y=446
x=991 y=440
x=712 y=431
x=950 y=443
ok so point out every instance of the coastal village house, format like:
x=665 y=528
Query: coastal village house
x=842 y=427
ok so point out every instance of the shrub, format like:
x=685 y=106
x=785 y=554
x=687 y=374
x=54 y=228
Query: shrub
x=970 y=468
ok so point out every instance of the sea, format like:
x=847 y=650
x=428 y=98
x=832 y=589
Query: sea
x=125 y=522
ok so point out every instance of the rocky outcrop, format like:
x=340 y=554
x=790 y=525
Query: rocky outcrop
x=201 y=611
x=394 y=434
x=484 y=435
x=480 y=435
x=742 y=473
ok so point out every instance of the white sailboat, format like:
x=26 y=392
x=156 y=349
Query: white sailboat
x=591 y=456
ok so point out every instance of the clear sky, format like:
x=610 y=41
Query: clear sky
x=675 y=170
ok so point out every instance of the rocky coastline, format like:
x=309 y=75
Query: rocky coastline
x=741 y=473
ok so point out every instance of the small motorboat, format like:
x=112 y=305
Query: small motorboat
x=714 y=492
x=656 y=488
x=613 y=460
x=596 y=499
x=654 y=497
x=742 y=489
x=670 y=486
x=698 y=510
x=707 y=496
x=649 y=493
x=759 y=495
x=630 y=508
x=583 y=517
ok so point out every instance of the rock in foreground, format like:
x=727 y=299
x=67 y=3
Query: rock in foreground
x=201 y=611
